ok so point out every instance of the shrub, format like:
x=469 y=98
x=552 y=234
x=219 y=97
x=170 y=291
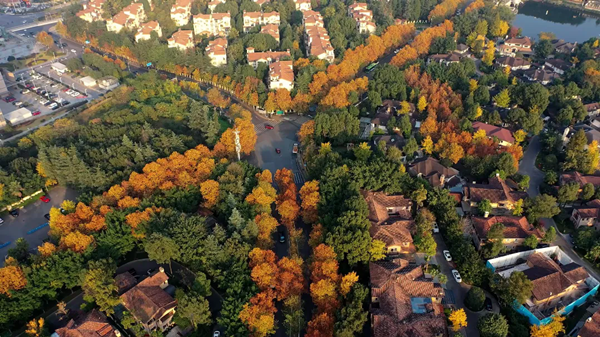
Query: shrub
x=475 y=299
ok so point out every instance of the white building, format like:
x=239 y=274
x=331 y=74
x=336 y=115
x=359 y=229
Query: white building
x=303 y=5
x=108 y=83
x=272 y=30
x=254 y=58
x=217 y=52
x=217 y=24
x=92 y=11
x=316 y=38
x=182 y=40
x=59 y=67
x=18 y=116
x=281 y=75
x=252 y=19
x=130 y=17
x=88 y=81
x=181 y=12
x=145 y=30
x=363 y=17
x=214 y=3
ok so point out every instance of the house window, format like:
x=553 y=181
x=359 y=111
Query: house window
x=393 y=250
x=405 y=244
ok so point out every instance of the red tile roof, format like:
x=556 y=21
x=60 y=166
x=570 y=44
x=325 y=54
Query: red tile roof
x=147 y=299
x=93 y=324
x=494 y=131
x=395 y=234
x=378 y=203
x=579 y=178
x=514 y=227
x=549 y=278
x=591 y=328
x=496 y=191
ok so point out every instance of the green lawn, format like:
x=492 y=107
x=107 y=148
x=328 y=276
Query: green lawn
x=223 y=125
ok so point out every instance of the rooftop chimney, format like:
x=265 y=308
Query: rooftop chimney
x=161 y=269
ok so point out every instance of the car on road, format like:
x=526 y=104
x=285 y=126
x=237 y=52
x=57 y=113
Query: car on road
x=1 y=220
x=25 y=91
x=45 y=199
x=47 y=216
x=278 y=151
x=269 y=127
x=447 y=255
x=456 y=276
x=295 y=148
x=396 y=51
x=63 y=44
x=35 y=113
x=54 y=106
x=216 y=334
x=65 y=103
x=14 y=213
x=436 y=228
x=9 y=99
x=73 y=51
x=281 y=238
x=488 y=304
x=18 y=104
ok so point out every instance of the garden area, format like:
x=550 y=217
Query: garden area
x=31 y=60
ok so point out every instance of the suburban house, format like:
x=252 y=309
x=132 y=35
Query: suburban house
x=181 y=12
x=390 y=140
x=591 y=327
x=501 y=196
x=542 y=76
x=254 y=58
x=558 y=66
x=363 y=17
x=214 y=3
x=253 y=19
x=303 y=5
x=148 y=301
x=217 y=51
x=217 y=24
x=316 y=37
x=515 y=45
x=433 y=171
x=562 y=47
x=271 y=29
x=386 y=209
x=92 y=11
x=145 y=30
x=396 y=236
x=130 y=17
x=461 y=49
x=557 y=281
x=504 y=136
x=514 y=63
x=445 y=59
x=593 y=109
x=404 y=302
x=261 y=2
x=281 y=75
x=92 y=324
x=182 y=40
x=579 y=178
x=516 y=230
x=391 y=106
x=587 y=215
x=380 y=121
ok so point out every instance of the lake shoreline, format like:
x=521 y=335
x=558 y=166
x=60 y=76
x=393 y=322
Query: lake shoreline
x=595 y=12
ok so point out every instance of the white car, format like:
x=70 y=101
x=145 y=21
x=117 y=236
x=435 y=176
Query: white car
x=396 y=51
x=456 y=276
x=216 y=333
x=447 y=255
x=73 y=51
x=1 y=220
x=52 y=106
x=436 y=228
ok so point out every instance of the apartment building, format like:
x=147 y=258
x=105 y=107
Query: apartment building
x=272 y=30
x=316 y=38
x=217 y=24
x=261 y=2
x=303 y=5
x=181 y=12
x=182 y=40
x=253 y=19
x=130 y=17
x=145 y=30
x=217 y=52
x=363 y=17
x=92 y=11
x=214 y=3
x=254 y=58
x=281 y=75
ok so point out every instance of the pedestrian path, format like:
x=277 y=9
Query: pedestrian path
x=299 y=179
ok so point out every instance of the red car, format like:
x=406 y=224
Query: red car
x=269 y=127
x=45 y=199
x=36 y=113
x=278 y=150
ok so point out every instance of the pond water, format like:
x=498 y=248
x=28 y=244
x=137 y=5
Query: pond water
x=566 y=23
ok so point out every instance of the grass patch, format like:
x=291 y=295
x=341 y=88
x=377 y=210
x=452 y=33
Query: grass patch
x=223 y=125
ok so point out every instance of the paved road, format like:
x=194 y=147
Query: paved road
x=10 y=21
x=31 y=217
x=527 y=166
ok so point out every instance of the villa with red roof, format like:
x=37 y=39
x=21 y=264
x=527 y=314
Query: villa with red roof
x=516 y=230
x=92 y=324
x=504 y=136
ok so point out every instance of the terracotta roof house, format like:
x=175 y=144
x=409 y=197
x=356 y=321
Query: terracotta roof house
x=363 y=17
x=386 y=209
x=512 y=46
x=303 y=5
x=503 y=135
x=252 y=19
x=514 y=63
x=593 y=109
x=433 y=171
x=181 y=12
x=558 y=66
x=217 y=51
x=272 y=30
x=316 y=37
x=397 y=236
x=214 y=3
x=445 y=59
x=92 y=11
x=516 y=230
x=217 y=24
x=403 y=302
x=579 y=178
x=543 y=76
x=501 y=196
x=591 y=327
x=182 y=40
x=130 y=17
x=281 y=75
x=267 y=57
x=149 y=303
x=587 y=215
x=92 y=324
x=145 y=30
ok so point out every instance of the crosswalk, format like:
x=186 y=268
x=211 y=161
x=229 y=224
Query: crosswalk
x=299 y=179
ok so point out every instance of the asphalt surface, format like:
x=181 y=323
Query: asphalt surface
x=31 y=217
x=9 y=21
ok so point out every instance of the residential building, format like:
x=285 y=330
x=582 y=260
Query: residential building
x=261 y=2
x=253 y=19
x=593 y=109
x=181 y=12
x=558 y=66
x=557 y=281
x=217 y=24
x=386 y=209
x=516 y=230
x=217 y=51
x=514 y=63
x=213 y=4
x=363 y=17
x=504 y=136
x=501 y=196
x=271 y=29
x=433 y=171
x=380 y=121
x=254 y=58
x=395 y=107
x=587 y=215
x=591 y=327
x=515 y=45
x=316 y=38
x=182 y=40
x=92 y=324
x=148 y=301
x=445 y=59
x=108 y=83
x=397 y=236
x=579 y=178
x=130 y=17
x=393 y=140
x=146 y=29
x=92 y=11
x=281 y=75
x=303 y=5
x=542 y=76
x=404 y=302
x=461 y=49
x=562 y=47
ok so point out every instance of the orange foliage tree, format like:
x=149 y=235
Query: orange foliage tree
x=475 y=5
x=11 y=278
x=266 y=227
x=337 y=96
x=290 y=279
x=309 y=194
x=320 y=326
x=225 y=147
x=421 y=43
x=264 y=268
x=76 y=241
x=444 y=9
x=47 y=249
x=259 y=314
x=210 y=192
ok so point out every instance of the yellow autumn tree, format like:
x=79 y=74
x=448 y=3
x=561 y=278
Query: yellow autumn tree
x=347 y=282
x=593 y=156
x=309 y=194
x=422 y=104
x=488 y=55
x=47 y=249
x=76 y=241
x=11 y=278
x=210 y=193
x=552 y=329
x=458 y=318
x=266 y=227
x=35 y=328
x=427 y=145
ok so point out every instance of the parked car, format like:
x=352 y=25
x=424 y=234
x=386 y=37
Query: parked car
x=447 y=255
x=64 y=103
x=9 y=99
x=277 y=151
x=63 y=44
x=45 y=199
x=281 y=238
x=436 y=228
x=54 y=106
x=14 y=213
x=35 y=113
x=269 y=127
x=1 y=221
x=18 y=104
x=47 y=216
x=456 y=276
x=488 y=304
x=25 y=91
x=216 y=334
